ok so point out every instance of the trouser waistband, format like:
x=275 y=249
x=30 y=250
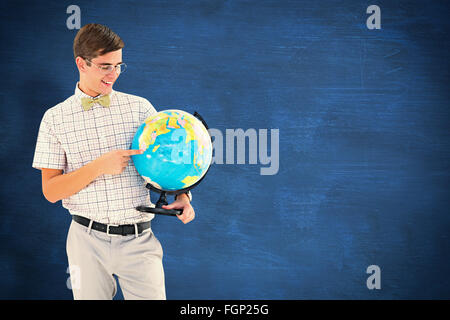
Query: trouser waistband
x=112 y=229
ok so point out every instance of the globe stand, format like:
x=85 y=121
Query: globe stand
x=158 y=209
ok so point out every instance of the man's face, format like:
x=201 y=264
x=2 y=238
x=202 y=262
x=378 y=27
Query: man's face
x=93 y=80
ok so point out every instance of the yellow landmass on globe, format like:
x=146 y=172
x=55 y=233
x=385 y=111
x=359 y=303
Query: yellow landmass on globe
x=173 y=122
x=152 y=130
x=195 y=160
x=189 y=180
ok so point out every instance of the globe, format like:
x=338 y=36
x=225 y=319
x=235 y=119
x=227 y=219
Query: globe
x=178 y=150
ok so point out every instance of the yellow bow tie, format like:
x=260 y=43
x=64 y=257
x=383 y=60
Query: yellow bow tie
x=87 y=103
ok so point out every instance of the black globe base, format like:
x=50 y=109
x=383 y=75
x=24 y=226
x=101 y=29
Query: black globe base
x=158 y=209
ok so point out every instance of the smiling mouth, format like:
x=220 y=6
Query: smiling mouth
x=107 y=82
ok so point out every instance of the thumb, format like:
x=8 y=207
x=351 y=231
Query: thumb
x=169 y=206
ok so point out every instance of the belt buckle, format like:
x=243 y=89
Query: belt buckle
x=107 y=230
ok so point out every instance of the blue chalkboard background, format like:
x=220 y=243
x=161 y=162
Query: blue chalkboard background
x=364 y=145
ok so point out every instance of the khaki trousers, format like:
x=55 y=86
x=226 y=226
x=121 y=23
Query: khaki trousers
x=94 y=257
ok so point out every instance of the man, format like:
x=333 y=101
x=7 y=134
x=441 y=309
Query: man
x=82 y=151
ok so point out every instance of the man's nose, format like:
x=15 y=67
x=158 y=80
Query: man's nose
x=112 y=75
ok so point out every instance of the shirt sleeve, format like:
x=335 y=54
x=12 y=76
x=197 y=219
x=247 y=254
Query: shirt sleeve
x=149 y=110
x=48 y=152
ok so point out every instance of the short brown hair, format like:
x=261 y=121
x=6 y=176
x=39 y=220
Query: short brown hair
x=95 y=39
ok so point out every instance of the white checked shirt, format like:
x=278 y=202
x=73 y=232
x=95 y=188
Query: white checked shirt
x=70 y=137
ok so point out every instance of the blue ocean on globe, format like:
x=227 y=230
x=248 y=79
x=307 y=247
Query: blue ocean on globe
x=178 y=150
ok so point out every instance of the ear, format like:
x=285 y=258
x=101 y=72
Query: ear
x=81 y=64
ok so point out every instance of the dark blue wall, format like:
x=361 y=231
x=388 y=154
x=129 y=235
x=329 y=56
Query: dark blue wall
x=364 y=143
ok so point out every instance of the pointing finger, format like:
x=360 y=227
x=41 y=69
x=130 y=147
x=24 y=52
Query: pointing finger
x=132 y=152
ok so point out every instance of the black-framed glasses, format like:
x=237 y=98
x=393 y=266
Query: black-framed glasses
x=108 y=68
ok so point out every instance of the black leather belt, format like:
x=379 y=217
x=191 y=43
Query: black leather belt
x=124 y=230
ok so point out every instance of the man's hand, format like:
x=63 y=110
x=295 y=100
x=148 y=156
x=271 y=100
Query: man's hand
x=182 y=202
x=114 y=162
